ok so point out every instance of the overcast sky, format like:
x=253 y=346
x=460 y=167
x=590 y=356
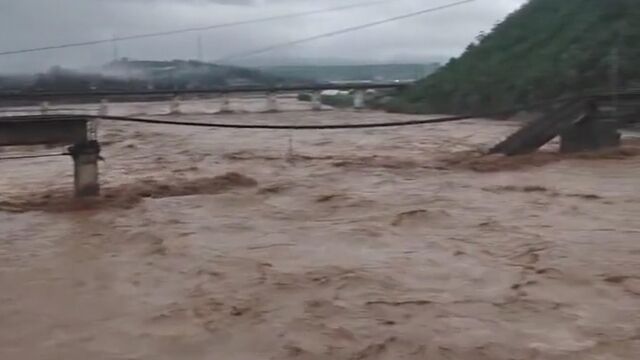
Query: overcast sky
x=35 y=23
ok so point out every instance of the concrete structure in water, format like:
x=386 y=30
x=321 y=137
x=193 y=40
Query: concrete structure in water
x=581 y=127
x=358 y=99
x=272 y=102
x=589 y=135
x=103 y=110
x=174 y=106
x=59 y=130
x=225 y=107
x=316 y=101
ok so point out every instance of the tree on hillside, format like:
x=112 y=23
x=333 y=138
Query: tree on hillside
x=546 y=49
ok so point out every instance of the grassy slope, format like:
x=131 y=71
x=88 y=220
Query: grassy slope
x=546 y=49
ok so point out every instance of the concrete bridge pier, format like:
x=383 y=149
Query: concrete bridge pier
x=225 y=107
x=272 y=102
x=85 y=168
x=44 y=108
x=595 y=131
x=316 y=101
x=358 y=100
x=174 y=106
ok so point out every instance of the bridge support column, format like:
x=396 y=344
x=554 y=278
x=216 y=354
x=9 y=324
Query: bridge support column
x=174 y=106
x=272 y=102
x=44 y=108
x=591 y=134
x=316 y=101
x=225 y=107
x=358 y=100
x=85 y=165
x=104 y=108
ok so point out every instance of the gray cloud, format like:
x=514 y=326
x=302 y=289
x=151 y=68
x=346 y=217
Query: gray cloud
x=34 y=23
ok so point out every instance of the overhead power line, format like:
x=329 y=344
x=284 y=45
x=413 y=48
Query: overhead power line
x=285 y=127
x=21 y=157
x=194 y=29
x=341 y=31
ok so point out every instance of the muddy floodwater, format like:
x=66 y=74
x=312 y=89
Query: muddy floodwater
x=397 y=243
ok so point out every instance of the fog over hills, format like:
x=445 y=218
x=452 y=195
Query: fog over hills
x=31 y=23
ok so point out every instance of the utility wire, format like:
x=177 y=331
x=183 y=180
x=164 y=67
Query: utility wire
x=286 y=127
x=194 y=29
x=19 y=157
x=340 y=32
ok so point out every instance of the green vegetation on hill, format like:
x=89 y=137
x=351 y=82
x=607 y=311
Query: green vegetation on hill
x=546 y=49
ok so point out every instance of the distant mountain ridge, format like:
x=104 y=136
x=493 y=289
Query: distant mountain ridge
x=128 y=74
x=190 y=74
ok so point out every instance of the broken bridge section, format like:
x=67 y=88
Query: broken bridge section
x=59 y=130
x=580 y=124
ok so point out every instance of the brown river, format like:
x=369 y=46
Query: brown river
x=376 y=244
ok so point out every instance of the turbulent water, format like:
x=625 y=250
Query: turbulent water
x=401 y=243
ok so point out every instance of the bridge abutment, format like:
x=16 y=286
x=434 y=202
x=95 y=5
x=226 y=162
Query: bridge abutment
x=591 y=134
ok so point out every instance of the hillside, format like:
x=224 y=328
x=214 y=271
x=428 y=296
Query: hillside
x=546 y=49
